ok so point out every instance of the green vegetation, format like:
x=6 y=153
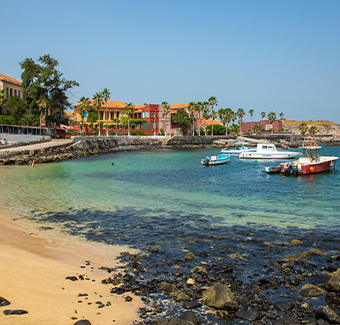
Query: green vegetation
x=313 y=130
x=7 y=119
x=303 y=128
x=182 y=118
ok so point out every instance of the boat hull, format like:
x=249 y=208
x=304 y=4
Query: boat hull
x=255 y=155
x=313 y=167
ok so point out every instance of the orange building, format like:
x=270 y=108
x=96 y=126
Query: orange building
x=11 y=87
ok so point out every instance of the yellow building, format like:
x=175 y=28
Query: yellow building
x=12 y=87
x=115 y=109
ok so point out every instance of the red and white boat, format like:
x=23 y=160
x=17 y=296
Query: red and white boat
x=310 y=162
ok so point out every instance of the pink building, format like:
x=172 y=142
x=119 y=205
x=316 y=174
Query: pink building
x=265 y=124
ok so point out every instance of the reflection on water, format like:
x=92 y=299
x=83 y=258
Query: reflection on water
x=171 y=183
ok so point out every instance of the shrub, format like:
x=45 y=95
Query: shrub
x=7 y=119
x=140 y=133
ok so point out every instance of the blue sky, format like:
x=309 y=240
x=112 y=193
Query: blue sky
x=280 y=56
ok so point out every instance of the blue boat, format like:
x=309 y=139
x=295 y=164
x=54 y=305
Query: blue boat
x=215 y=159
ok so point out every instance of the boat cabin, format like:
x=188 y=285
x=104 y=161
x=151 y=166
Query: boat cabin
x=265 y=147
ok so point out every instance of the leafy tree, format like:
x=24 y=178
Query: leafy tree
x=129 y=109
x=218 y=129
x=17 y=109
x=2 y=99
x=212 y=102
x=200 y=108
x=257 y=128
x=43 y=80
x=98 y=99
x=182 y=118
x=234 y=129
x=166 y=110
x=303 y=128
x=313 y=130
x=106 y=97
x=281 y=116
x=222 y=115
x=263 y=115
x=271 y=117
x=84 y=105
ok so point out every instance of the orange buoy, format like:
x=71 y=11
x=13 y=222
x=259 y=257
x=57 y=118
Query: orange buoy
x=311 y=169
x=312 y=143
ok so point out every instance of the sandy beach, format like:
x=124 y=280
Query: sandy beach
x=33 y=270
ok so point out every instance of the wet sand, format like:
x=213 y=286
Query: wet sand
x=33 y=270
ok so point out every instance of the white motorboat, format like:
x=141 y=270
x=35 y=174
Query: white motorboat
x=215 y=160
x=268 y=151
x=238 y=148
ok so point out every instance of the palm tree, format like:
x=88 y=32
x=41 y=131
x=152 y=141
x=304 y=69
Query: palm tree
x=212 y=102
x=234 y=117
x=106 y=96
x=251 y=112
x=166 y=110
x=129 y=109
x=281 y=117
x=240 y=113
x=192 y=110
x=83 y=106
x=257 y=128
x=263 y=115
x=313 y=129
x=272 y=117
x=303 y=128
x=199 y=107
x=228 y=115
x=98 y=99
x=206 y=116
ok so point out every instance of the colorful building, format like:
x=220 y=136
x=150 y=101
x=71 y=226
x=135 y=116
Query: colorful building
x=12 y=87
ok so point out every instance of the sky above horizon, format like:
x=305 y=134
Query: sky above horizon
x=265 y=55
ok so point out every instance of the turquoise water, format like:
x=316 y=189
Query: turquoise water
x=173 y=183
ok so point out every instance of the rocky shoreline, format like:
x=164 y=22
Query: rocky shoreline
x=83 y=147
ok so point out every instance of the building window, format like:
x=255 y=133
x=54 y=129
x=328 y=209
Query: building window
x=10 y=92
x=164 y=126
x=153 y=114
x=15 y=92
x=101 y=115
x=112 y=114
x=195 y=126
x=122 y=115
x=117 y=115
x=6 y=92
x=106 y=115
x=19 y=93
x=145 y=114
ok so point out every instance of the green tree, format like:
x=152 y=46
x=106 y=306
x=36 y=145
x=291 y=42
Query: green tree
x=271 y=117
x=17 y=109
x=98 y=99
x=84 y=105
x=212 y=102
x=192 y=109
x=234 y=129
x=281 y=116
x=251 y=112
x=257 y=129
x=43 y=80
x=303 y=128
x=222 y=116
x=182 y=118
x=240 y=113
x=129 y=109
x=2 y=100
x=106 y=96
x=313 y=130
x=206 y=116
x=228 y=116
x=166 y=110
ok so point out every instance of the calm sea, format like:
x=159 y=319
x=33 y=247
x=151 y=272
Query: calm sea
x=173 y=183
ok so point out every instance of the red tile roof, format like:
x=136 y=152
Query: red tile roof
x=9 y=79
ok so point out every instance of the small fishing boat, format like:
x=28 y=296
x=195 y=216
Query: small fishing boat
x=272 y=169
x=268 y=151
x=215 y=159
x=238 y=148
x=310 y=162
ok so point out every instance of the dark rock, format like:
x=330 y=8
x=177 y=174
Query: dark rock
x=4 y=302
x=286 y=321
x=324 y=312
x=172 y=291
x=82 y=322
x=72 y=278
x=15 y=312
x=334 y=282
x=170 y=321
x=191 y=317
x=250 y=315
x=283 y=306
x=128 y=298
x=322 y=322
x=219 y=296
x=270 y=281
x=192 y=304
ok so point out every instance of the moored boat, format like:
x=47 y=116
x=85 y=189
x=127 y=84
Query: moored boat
x=272 y=169
x=238 y=148
x=310 y=162
x=268 y=151
x=215 y=159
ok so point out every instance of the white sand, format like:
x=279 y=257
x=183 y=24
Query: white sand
x=33 y=268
